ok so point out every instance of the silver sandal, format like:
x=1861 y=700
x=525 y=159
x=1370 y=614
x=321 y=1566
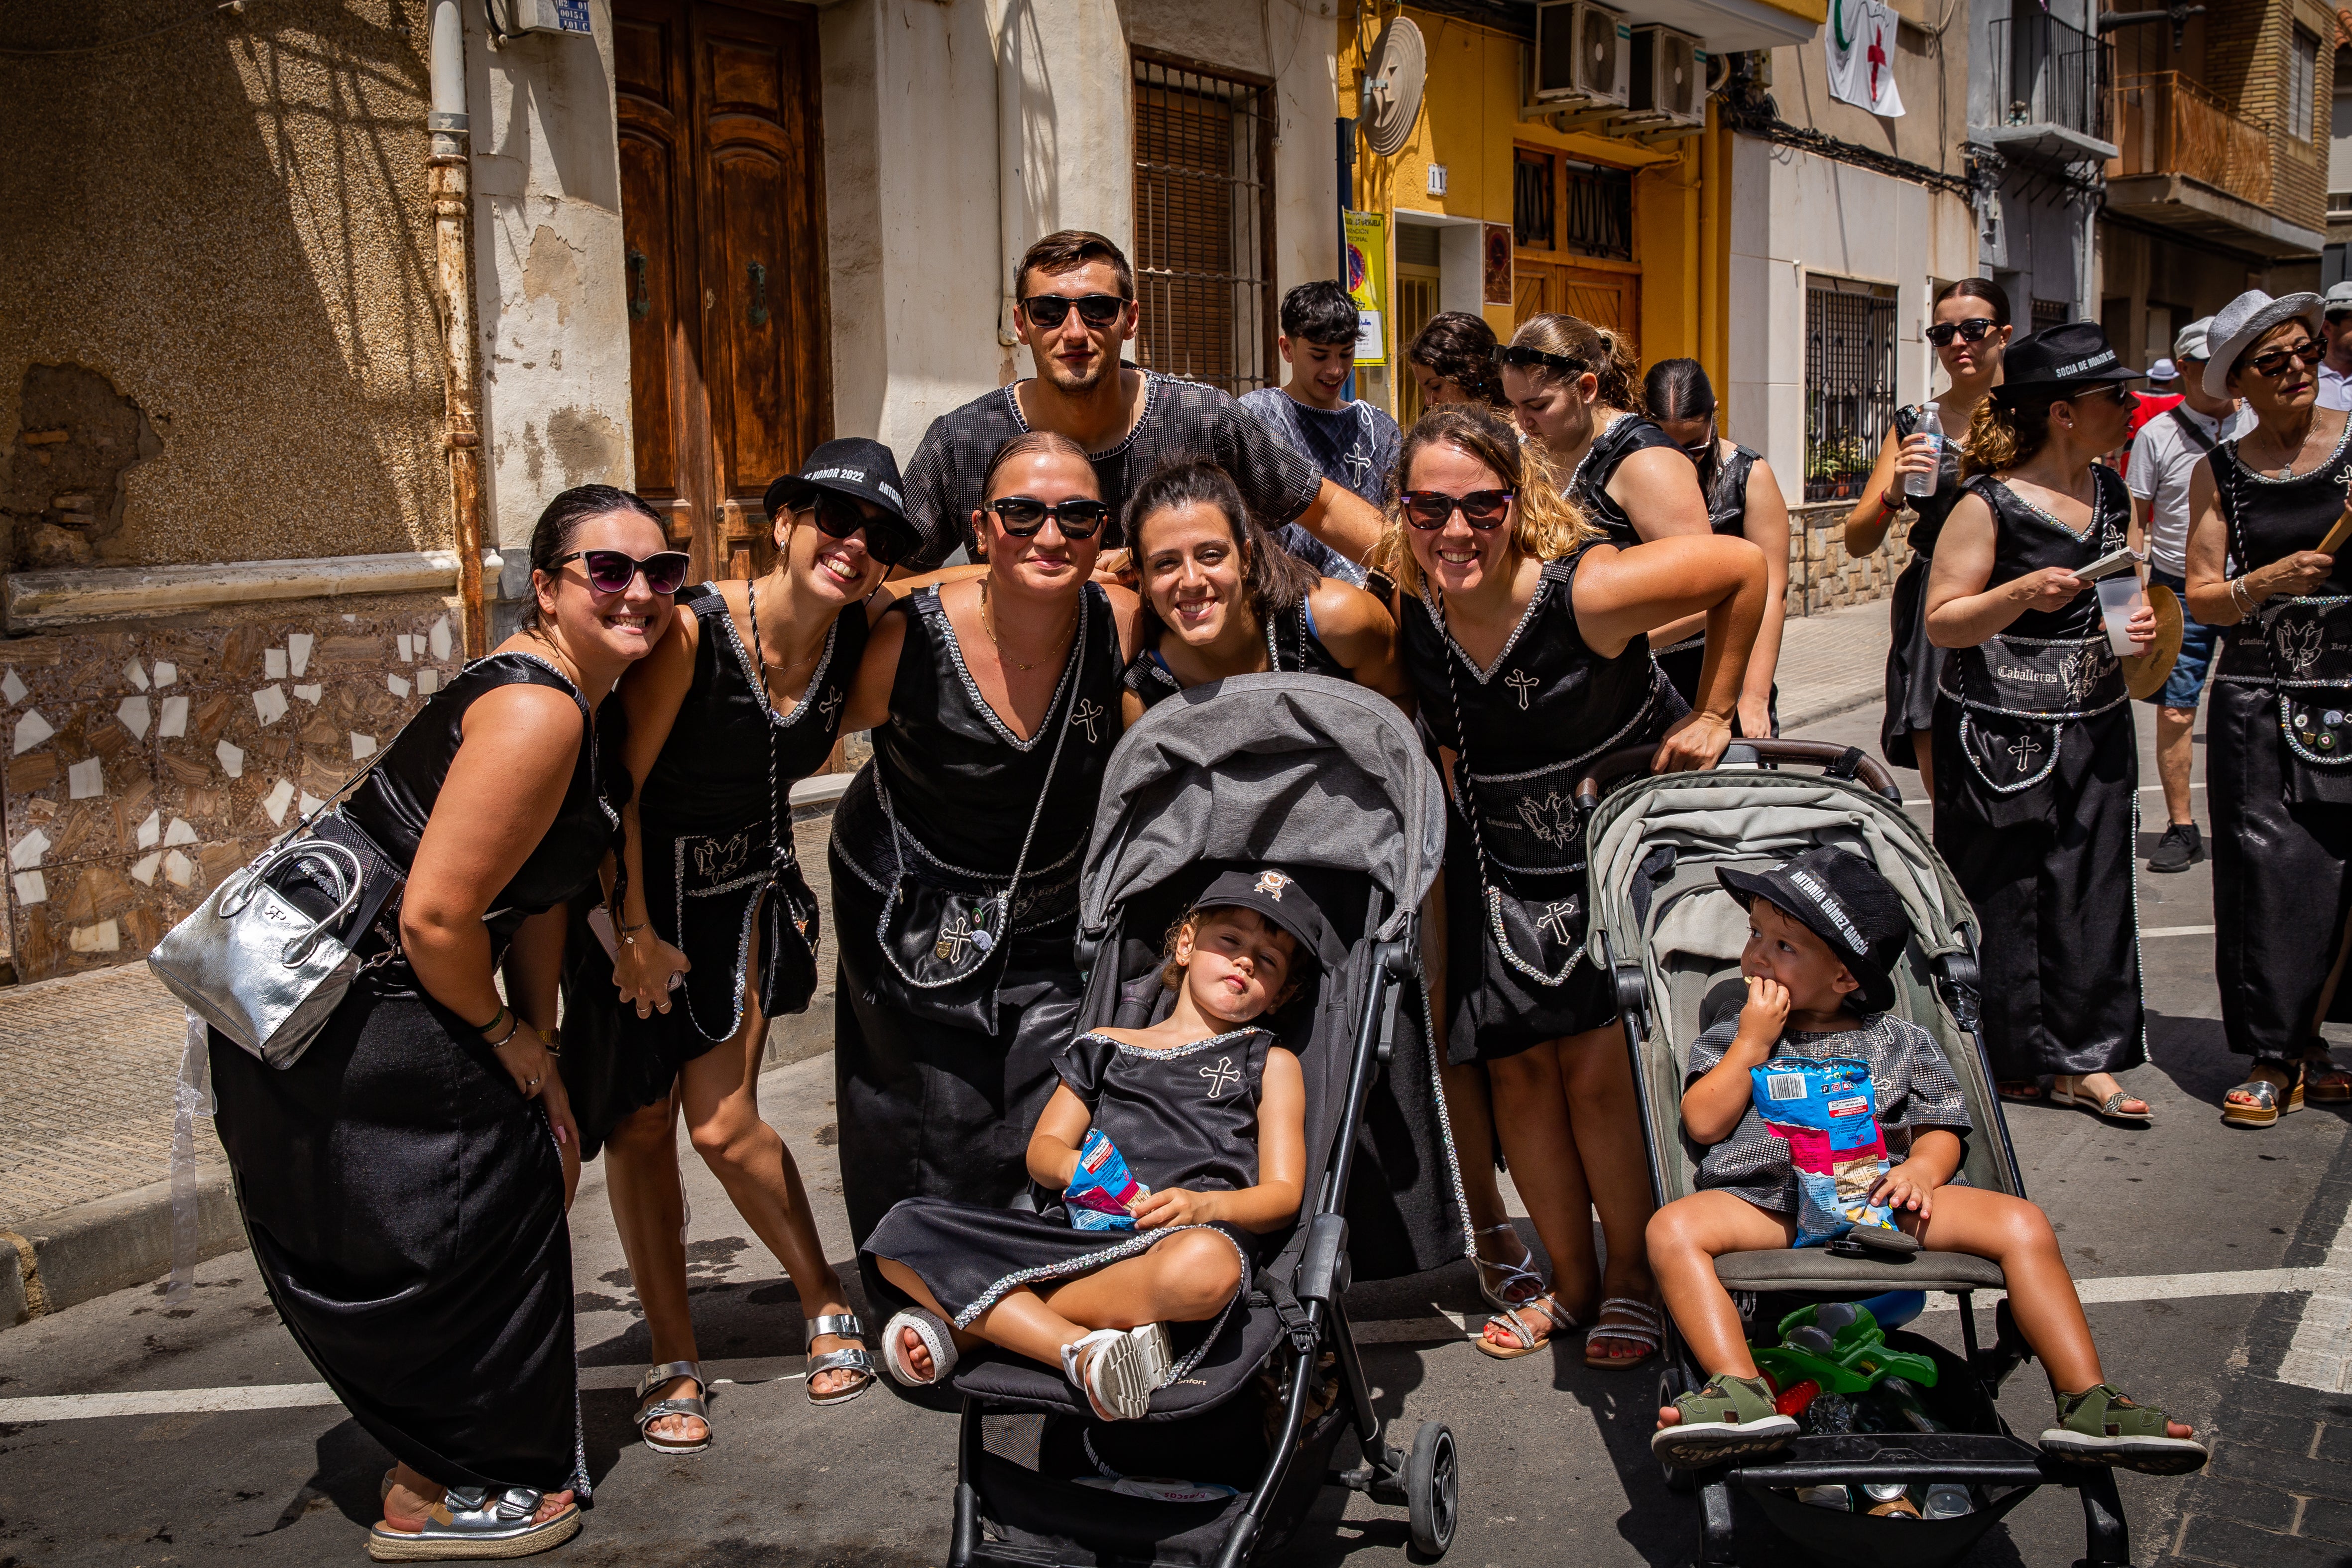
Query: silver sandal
x=840 y=1325
x=1514 y=1275
x=476 y=1522
x=697 y=1406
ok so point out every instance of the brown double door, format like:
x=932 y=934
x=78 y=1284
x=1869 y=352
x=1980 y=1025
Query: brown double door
x=722 y=218
x=1604 y=296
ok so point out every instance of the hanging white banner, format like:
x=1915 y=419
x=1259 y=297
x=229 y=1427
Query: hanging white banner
x=1860 y=43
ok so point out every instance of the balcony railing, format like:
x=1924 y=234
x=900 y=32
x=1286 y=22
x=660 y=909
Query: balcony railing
x=2045 y=72
x=2167 y=124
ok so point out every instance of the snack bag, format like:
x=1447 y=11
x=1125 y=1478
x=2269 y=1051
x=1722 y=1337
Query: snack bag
x=1824 y=1109
x=1101 y=1187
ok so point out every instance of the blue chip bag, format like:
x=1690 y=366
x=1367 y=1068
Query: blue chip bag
x=1101 y=1187
x=1825 y=1110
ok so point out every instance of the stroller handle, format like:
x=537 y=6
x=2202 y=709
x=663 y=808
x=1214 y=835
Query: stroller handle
x=1837 y=762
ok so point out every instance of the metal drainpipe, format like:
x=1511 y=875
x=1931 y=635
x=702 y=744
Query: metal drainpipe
x=451 y=187
x=1012 y=195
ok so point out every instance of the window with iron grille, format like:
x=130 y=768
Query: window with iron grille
x=1531 y=200
x=1849 y=383
x=1597 y=207
x=1204 y=224
x=2048 y=313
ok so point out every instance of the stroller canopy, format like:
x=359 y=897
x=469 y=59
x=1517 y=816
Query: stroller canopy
x=1296 y=770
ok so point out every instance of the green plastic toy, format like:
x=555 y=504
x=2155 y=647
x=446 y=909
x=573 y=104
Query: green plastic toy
x=1840 y=1346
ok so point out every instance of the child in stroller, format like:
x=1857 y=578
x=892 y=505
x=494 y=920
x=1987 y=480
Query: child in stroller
x=1208 y=1112
x=1826 y=932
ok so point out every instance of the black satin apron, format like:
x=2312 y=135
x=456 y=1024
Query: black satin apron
x=2037 y=805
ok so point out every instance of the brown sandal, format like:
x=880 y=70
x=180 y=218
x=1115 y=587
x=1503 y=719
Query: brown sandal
x=2275 y=1088
x=2324 y=1083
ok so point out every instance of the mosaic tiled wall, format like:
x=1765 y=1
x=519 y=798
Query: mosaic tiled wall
x=146 y=761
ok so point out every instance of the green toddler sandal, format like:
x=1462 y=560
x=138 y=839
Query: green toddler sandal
x=2101 y=1427
x=1731 y=1418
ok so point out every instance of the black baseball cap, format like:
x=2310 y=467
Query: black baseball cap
x=852 y=466
x=1841 y=899
x=2057 y=358
x=1277 y=896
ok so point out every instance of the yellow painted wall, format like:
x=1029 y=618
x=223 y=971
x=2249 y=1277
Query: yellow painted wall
x=1469 y=122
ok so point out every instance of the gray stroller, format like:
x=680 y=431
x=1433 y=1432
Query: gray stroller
x=1669 y=935
x=1327 y=781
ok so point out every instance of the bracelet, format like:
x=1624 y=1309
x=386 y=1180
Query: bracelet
x=624 y=930
x=486 y=1028
x=513 y=1029
x=550 y=1040
x=2241 y=595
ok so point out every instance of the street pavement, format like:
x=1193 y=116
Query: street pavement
x=153 y=1434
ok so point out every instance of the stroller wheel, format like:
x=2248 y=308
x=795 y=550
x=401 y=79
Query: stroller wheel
x=1673 y=1384
x=1432 y=1482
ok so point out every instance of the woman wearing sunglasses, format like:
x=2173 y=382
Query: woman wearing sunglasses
x=1221 y=597
x=741 y=701
x=995 y=703
x=1575 y=390
x=1970 y=333
x=2280 y=760
x=2037 y=768
x=404 y=1182
x=1523 y=638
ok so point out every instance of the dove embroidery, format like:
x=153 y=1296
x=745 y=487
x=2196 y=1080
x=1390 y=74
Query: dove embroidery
x=1551 y=817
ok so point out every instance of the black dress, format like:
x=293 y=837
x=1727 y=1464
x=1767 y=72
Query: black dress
x=1183 y=1117
x=1290 y=645
x=2037 y=780
x=717 y=818
x=1547 y=705
x=1726 y=515
x=1913 y=663
x=1590 y=485
x=2280 y=773
x=929 y=1107
x=404 y=1202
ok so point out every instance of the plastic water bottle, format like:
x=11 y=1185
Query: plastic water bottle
x=1931 y=425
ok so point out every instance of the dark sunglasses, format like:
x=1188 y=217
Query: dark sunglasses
x=1022 y=516
x=838 y=516
x=1482 y=509
x=612 y=571
x=1519 y=357
x=1050 y=310
x=1971 y=330
x=2310 y=351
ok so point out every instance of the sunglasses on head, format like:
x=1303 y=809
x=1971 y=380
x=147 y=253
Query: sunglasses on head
x=612 y=571
x=838 y=516
x=1971 y=330
x=1505 y=354
x=1482 y=509
x=2271 y=362
x=1050 y=310
x=1021 y=516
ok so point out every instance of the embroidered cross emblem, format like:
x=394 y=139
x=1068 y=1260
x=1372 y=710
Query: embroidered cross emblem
x=830 y=706
x=2026 y=748
x=953 y=938
x=1558 y=919
x=1086 y=713
x=1520 y=681
x=2347 y=482
x=1223 y=1073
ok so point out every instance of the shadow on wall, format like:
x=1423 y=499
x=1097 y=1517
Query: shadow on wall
x=228 y=224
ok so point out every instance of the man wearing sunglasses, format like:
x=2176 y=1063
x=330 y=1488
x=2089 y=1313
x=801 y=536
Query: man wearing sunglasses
x=1077 y=307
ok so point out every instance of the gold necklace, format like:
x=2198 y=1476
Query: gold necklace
x=988 y=624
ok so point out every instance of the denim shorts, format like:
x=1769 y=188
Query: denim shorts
x=2187 y=681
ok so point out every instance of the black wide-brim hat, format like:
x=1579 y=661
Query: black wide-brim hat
x=2054 y=362
x=1841 y=899
x=851 y=465
x=1277 y=896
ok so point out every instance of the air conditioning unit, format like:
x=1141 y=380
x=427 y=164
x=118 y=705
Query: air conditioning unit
x=1669 y=71
x=1583 y=54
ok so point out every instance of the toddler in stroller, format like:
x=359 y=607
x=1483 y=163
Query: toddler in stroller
x=1208 y=1115
x=1825 y=934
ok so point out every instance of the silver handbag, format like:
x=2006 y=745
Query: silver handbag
x=253 y=964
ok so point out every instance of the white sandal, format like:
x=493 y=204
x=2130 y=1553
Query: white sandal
x=1125 y=1366
x=1514 y=1274
x=937 y=1337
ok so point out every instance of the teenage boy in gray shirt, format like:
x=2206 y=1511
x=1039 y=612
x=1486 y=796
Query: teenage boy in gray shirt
x=1353 y=444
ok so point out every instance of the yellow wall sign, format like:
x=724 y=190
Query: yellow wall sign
x=1368 y=280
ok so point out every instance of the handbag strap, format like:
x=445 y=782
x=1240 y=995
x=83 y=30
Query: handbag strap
x=1461 y=737
x=2198 y=437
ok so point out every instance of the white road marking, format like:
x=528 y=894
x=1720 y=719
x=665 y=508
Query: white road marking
x=2176 y=931
x=2320 y=1354
x=2168 y=1287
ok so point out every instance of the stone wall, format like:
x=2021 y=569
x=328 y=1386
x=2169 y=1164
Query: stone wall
x=1822 y=576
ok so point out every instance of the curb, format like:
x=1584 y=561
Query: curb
x=1829 y=707
x=109 y=1244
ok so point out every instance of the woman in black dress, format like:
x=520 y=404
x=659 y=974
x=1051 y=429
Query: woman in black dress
x=995 y=703
x=1573 y=390
x=1221 y=597
x=1970 y=334
x=2036 y=801
x=1743 y=501
x=404 y=1182
x=1523 y=636
x=2280 y=767
x=741 y=701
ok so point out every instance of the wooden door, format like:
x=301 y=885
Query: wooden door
x=722 y=215
x=1603 y=296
